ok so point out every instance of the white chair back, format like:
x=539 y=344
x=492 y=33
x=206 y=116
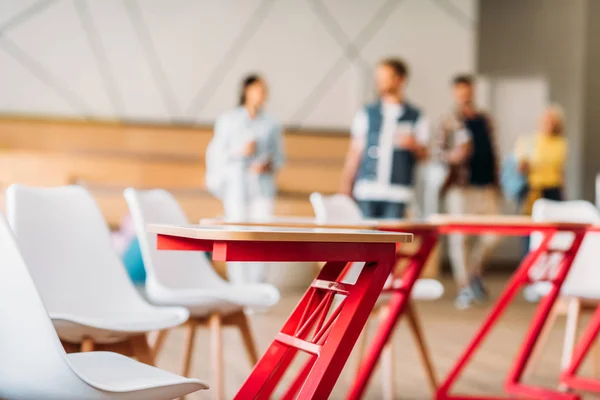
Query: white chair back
x=584 y=278
x=67 y=246
x=338 y=208
x=335 y=208
x=170 y=269
x=30 y=350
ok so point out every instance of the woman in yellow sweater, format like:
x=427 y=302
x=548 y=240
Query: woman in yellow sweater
x=542 y=159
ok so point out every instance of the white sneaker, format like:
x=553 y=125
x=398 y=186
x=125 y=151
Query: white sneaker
x=465 y=298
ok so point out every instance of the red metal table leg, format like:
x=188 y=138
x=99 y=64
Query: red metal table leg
x=588 y=338
x=396 y=306
x=520 y=278
x=333 y=336
x=513 y=384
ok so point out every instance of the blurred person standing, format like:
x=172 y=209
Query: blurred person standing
x=466 y=145
x=389 y=137
x=241 y=164
x=542 y=160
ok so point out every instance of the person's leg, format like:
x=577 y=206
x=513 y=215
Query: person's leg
x=553 y=194
x=393 y=210
x=457 y=243
x=488 y=203
x=522 y=204
x=456 y=203
x=370 y=209
x=236 y=209
x=260 y=208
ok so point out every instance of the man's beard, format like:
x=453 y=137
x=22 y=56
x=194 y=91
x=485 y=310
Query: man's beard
x=389 y=92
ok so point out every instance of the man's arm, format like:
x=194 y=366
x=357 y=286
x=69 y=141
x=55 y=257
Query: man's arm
x=354 y=154
x=461 y=146
x=351 y=165
x=421 y=145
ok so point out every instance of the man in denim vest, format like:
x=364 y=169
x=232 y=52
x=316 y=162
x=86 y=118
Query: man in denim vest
x=389 y=137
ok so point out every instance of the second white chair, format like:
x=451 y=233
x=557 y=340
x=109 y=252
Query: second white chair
x=581 y=291
x=33 y=363
x=339 y=208
x=66 y=244
x=187 y=278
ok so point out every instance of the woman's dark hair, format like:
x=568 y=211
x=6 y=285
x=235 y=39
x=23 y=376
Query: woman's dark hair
x=248 y=81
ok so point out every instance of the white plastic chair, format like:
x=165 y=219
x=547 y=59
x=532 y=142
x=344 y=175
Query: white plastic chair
x=341 y=208
x=34 y=365
x=67 y=246
x=188 y=279
x=581 y=290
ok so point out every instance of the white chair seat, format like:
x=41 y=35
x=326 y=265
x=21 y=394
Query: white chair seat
x=424 y=289
x=116 y=327
x=115 y=373
x=584 y=277
x=585 y=290
x=225 y=299
x=33 y=362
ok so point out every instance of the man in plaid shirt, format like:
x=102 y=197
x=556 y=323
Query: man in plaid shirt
x=466 y=145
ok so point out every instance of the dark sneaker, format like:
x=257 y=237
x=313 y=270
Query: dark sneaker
x=465 y=298
x=480 y=293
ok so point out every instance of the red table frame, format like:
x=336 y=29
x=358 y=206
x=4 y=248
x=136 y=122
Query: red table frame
x=568 y=377
x=513 y=384
x=334 y=332
x=400 y=297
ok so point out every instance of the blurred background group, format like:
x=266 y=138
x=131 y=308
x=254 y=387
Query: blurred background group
x=244 y=108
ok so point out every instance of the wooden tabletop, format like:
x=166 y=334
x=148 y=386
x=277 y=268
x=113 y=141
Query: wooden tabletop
x=311 y=222
x=279 y=234
x=500 y=220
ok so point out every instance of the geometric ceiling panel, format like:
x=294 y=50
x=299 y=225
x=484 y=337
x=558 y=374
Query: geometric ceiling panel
x=292 y=49
x=352 y=15
x=468 y=8
x=346 y=92
x=433 y=45
x=140 y=97
x=191 y=37
x=55 y=39
x=182 y=60
x=27 y=93
x=10 y=9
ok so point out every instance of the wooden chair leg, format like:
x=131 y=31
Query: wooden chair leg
x=190 y=337
x=87 y=345
x=596 y=359
x=244 y=327
x=387 y=365
x=215 y=325
x=424 y=354
x=71 y=347
x=572 y=327
x=159 y=342
x=141 y=350
x=538 y=350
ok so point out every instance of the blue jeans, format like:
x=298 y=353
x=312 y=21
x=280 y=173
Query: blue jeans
x=382 y=209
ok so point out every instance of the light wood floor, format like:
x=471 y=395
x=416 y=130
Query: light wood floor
x=447 y=331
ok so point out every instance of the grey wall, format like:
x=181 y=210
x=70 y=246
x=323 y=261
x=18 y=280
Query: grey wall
x=591 y=148
x=182 y=60
x=542 y=38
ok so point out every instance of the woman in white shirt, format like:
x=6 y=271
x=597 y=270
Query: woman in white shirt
x=241 y=163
